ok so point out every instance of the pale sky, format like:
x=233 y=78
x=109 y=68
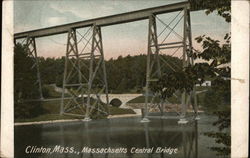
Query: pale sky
x=122 y=39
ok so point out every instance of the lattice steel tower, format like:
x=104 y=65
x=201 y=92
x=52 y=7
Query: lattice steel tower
x=89 y=84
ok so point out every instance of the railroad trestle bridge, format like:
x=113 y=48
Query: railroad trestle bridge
x=95 y=82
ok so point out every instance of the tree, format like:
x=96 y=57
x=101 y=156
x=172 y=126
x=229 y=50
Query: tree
x=222 y=7
x=24 y=75
x=24 y=87
x=128 y=74
x=216 y=56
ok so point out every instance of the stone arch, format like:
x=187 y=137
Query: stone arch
x=115 y=102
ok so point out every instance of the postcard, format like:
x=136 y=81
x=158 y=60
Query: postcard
x=123 y=79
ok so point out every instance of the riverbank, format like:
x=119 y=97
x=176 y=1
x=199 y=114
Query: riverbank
x=70 y=120
x=60 y=120
x=44 y=122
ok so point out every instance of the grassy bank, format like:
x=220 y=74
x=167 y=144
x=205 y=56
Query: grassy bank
x=141 y=99
x=57 y=116
x=52 y=108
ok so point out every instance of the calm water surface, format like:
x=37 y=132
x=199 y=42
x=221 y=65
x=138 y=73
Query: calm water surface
x=125 y=133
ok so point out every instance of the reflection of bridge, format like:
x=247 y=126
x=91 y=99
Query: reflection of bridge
x=115 y=133
x=124 y=98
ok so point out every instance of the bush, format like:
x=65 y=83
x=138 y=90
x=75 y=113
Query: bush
x=49 y=92
x=216 y=100
x=120 y=111
x=28 y=110
x=45 y=91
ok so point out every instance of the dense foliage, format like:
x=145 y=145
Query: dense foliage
x=222 y=7
x=124 y=74
x=216 y=57
x=215 y=66
x=24 y=85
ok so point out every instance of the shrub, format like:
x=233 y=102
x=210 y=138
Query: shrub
x=215 y=100
x=25 y=110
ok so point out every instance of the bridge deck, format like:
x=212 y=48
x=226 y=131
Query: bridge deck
x=105 y=21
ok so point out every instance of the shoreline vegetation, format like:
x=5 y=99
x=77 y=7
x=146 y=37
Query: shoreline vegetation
x=133 y=108
x=124 y=79
x=55 y=116
x=63 y=119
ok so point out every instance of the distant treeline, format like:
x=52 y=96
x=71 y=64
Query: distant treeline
x=124 y=74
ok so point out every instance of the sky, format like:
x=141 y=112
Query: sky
x=123 y=39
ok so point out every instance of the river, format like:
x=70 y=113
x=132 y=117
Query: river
x=126 y=136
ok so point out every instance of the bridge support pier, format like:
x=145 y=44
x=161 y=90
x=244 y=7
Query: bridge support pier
x=153 y=62
x=82 y=85
x=72 y=79
x=154 y=65
x=32 y=52
x=187 y=60
x=97 y=65
x=145 y=120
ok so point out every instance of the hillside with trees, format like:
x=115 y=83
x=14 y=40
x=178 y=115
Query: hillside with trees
x=124 y=74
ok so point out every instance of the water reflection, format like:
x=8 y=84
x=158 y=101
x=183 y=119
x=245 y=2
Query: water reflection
x=127 y=133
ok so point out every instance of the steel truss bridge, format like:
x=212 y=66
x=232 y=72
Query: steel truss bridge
x=95 y=82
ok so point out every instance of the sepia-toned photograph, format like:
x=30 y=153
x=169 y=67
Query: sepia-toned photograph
x=122 y=79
